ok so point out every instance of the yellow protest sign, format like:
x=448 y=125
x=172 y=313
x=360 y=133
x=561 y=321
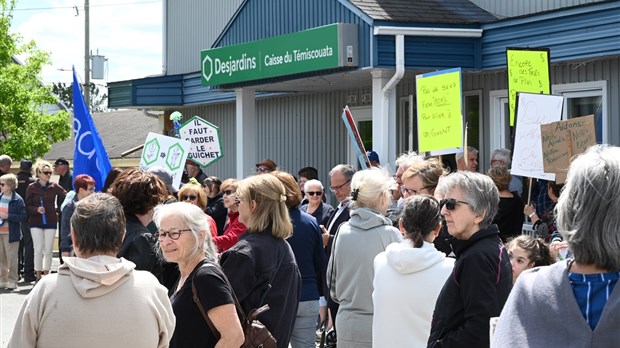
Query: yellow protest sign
x=440 y=120
x=528 y=71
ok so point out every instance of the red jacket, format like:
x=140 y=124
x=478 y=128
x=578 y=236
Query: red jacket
x=233 y=229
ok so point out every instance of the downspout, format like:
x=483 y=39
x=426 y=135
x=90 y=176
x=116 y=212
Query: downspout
x=164 y=58
x=400 y=65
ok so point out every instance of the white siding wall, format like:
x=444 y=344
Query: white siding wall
x=192 y=26
x=504 y=8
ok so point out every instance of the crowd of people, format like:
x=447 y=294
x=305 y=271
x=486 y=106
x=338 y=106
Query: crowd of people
x=424 y=258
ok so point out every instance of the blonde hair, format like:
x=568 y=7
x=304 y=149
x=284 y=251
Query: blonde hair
x=269 y=195
x=500 y=176
x=429 y=170
x=196 y=188
x=40 y=164
x=367 y=188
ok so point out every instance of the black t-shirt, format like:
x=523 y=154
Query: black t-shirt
x=191 y=329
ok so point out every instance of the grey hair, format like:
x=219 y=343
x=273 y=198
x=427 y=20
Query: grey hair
x=470 y=149
x=346 y=169
x=5 y=159
x=371 y=185
x=587 y=210
x=99 y=224
x=503 y=155
x=480 y=192
x=314 y=182
x=196 y=221
x=408 y=158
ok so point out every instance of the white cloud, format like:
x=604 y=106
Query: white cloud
x=127 y=32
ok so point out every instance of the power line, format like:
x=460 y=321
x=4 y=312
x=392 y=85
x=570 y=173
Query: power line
x=82 y=7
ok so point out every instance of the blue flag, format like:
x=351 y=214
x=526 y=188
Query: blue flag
x=90 y=156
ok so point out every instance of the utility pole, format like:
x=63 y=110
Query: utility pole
x=87 y=54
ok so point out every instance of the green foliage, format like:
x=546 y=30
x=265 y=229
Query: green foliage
x=26 y=129
x=64 y=93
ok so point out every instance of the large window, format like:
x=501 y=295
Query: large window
x=587 y=98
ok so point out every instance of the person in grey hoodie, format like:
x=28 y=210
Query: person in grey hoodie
x=350 y=271
x=96 y=299
x=409 y=277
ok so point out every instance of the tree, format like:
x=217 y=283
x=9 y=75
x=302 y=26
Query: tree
x=26 y=129
x=64 y=92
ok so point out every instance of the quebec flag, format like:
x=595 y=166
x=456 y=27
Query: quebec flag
x=90 y=156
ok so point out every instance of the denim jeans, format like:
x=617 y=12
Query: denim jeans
x=304 y=331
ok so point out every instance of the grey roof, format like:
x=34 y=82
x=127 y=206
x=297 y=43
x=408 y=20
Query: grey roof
x=424 y=11
x=119 y=130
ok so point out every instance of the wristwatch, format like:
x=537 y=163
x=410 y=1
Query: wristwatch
x=532 y=214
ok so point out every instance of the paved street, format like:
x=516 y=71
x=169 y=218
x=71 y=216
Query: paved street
x=10 y=304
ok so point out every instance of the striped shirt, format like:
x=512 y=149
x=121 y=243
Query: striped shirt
x=592 y=292
x=4 y=208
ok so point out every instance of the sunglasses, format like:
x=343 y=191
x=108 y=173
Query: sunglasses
x=262 y=170
x=174 y=235
x=312 y=193
x=229 y=192
x=450 y=203
x=336 y=188
x=2 y=184
x=191 y=197
x=47 y=173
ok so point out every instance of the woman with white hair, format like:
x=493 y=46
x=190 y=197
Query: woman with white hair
x=184 y=238
x=350 y=271
x=482 y=276
x=314 y=192
x=574 y=302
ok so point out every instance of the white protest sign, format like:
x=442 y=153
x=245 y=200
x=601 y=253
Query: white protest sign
x=532 y=111
x=204 y=138
x=168 y=152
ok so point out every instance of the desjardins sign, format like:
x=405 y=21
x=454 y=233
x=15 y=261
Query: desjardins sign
x=327 y=47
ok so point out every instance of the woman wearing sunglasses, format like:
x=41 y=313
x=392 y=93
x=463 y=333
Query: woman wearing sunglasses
x=42 y=198
x=193 y=193
x=482 y=275
x=234 y=228
x=314 y=194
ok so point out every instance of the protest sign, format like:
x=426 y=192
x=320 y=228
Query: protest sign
x=440 y=120
x=533 y=110
x=168 y=152
x=564 y=139
x=204 y=137
x=358 y=145
x=528 y=71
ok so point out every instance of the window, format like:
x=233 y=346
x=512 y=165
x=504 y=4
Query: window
x=587 y=98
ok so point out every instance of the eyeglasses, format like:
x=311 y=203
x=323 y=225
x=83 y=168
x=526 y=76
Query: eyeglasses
x=312 y=193
x=262 y=170
x=412 y=192
x=47 y=173
x=190 y=197
x=2 y=184
x=174 y=235
x=336 y=188
x=229 y=192
x=450 y=203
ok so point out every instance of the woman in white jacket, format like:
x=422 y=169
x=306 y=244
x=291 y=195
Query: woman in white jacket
x=409 y=277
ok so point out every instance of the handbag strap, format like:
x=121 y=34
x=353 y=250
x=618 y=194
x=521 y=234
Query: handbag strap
x=214 y=331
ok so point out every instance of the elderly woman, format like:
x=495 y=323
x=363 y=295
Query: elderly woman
x=576 y=302
x=215 y=202
x=412 y=270
x=311 y=260
x=509 y=218
x=314 y=192
x=193 y=193
x=234 y=228
x=96 y=299
x=42 y=198
x=482 y=275
x=357 y=242
x=84 y=186
x=185 y=240
x=12 y=214
x=261 y=267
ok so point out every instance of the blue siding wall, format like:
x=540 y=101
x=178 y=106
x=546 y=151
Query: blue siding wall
x=582 y=32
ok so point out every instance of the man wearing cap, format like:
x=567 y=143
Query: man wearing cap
x=373 y=157
x=266 y=166
x=193 y=171
x=5 y=164
x=61 y=166
x=26 y=249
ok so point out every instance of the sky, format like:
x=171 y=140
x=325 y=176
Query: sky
x=127 y=32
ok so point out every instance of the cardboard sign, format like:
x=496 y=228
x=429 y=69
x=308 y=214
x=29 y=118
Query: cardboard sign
x=354 y=134
x=533 y=110
x=165 y=151
x=528 y=71
x=564 y=139
x=205 y=148
x=440 y=120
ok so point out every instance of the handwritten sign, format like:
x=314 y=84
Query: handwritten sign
x=528 y=71
x=354 y=134
x=165 y=151
x=204 y=137
x=533 y=110
x=564 y=139
x=440 y=120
